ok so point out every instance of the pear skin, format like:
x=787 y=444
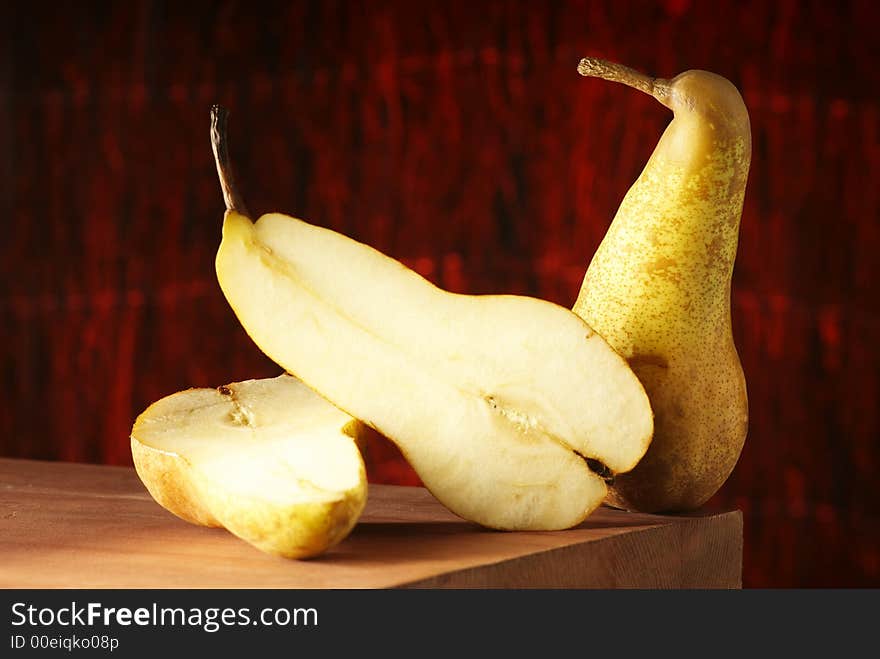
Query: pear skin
x=658 y=289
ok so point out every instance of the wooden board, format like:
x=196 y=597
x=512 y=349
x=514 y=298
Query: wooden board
x=87 y=526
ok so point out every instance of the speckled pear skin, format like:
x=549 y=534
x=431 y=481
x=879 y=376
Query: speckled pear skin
x=658 y=290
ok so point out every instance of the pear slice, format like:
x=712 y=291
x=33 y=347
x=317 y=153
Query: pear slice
x=269 y=460
x=511 y=410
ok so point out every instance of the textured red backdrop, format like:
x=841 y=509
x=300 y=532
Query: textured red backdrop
x=458 y=138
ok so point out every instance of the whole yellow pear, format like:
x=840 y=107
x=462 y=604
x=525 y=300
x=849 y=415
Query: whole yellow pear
x=658 y=289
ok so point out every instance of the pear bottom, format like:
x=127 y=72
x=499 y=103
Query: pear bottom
x=700 y=425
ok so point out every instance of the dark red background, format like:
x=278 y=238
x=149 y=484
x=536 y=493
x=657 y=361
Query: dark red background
x=459 y=138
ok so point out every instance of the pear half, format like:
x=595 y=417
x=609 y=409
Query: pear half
x=269 y=460
x=511 y=410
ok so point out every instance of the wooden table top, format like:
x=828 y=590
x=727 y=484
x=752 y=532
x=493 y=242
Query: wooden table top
x=66 y=525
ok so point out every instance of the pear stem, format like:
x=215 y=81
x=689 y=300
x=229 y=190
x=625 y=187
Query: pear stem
x=220 y=146
x=594 y=67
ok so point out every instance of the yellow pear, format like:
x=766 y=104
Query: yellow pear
x=658 y=289
x=511 y=410
x=269 y=460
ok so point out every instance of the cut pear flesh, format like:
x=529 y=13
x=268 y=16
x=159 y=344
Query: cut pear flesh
x=498 y=402
x=269 y=460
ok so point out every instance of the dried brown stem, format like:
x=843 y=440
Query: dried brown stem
x=220 y=146
x=599 y=68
